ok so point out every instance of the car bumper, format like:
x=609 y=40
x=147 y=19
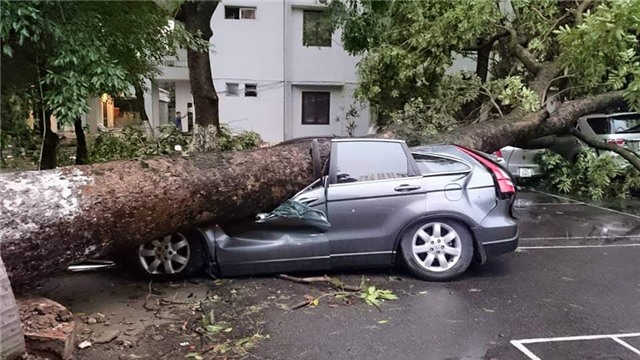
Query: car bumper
x=498 y=233
x=498 y=247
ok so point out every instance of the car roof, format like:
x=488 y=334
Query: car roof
x=367 y=139
x=591 y=116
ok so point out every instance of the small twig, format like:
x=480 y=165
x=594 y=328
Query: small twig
x=166 y=353
x=322 y=279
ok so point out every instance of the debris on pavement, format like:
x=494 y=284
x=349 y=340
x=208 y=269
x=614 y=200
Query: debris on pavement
x=49 y=328
x=106 y=337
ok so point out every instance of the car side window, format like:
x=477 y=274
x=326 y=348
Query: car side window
x=432 y=164
x=599 y=126
x=369 y=160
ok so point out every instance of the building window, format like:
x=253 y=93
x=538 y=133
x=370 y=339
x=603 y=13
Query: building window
x=315 y=107
x=316 y=29
x=251 y=90
x=236 y=12
x=232 y=89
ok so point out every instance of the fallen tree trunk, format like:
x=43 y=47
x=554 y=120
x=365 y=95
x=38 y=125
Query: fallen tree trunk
x=51 y=218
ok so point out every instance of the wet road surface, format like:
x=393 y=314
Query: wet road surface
x=577 y=273
x=571 y=291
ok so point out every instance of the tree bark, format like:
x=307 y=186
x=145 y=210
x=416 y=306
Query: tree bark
x=51 y=218
x=140 y=103
x=48 y=156
x=82 y=154
x=628 y=155
x=196 y=15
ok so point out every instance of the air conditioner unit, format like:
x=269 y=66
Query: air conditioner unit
x=322 y=2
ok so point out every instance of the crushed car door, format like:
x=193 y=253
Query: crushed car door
x=290 y=238
x=375 y=189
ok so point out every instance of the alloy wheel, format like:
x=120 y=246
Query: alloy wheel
x=436 y=246
x=169 y=255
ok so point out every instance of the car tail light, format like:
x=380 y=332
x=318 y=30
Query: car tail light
x=498 y=154
x=501 y=177
x=619 y=142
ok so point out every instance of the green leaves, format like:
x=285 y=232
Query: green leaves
x=374 y=296
x=592 y=176
x=601 y=52
x=407 y=46
x=81 y=49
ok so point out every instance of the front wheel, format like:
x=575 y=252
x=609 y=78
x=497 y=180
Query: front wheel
x=177 y=255
x=437 y=250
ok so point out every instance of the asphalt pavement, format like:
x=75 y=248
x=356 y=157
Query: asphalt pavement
x=571 y=291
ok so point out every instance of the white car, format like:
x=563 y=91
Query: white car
x=521 y=163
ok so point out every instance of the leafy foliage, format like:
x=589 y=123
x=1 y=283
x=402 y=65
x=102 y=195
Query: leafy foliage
x=407 y=46
x=601 y=53
x=420 y=118
x=133 y=143
x=19 y=144
x=229 y=140
x=592 y=176
x=374 y=296
x=78 y=49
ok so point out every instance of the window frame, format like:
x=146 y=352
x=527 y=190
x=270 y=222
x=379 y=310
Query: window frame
x=255 y=89
x=305 y=39
x=412 y=167
x=316 y=93
x=237 y=89
x=239 y=10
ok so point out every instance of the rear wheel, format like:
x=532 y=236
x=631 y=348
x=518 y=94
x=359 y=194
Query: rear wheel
x=178 y=255
x=437 y=250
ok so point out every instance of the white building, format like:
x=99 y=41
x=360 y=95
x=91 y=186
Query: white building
x=275 y=69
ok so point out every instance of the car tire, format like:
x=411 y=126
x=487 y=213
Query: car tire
x=429 y=242
x=176 y=256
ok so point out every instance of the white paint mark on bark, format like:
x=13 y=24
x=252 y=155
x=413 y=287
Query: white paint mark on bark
x=31 y=199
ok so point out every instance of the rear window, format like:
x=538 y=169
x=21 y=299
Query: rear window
x=432 y=164
x=620 y=124
x=369 y=161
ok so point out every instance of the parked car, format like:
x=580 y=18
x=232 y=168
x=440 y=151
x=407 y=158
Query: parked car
x=622 y=129
x=521 y=163
x=434 y=208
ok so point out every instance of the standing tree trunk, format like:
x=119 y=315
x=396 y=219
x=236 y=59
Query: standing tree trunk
x=140 y=103
x=82 y=154
x=196 y=15
x=48 y=156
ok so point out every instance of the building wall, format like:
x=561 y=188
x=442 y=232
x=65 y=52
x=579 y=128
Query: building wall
x=340 y=100
x=269 y=52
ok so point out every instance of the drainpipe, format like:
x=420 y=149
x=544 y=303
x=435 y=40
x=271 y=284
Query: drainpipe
x=284 y=70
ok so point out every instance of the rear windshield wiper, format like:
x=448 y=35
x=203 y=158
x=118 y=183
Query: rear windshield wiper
x=631 y=130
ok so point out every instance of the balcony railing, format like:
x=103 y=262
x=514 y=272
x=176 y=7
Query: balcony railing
x=174 y=63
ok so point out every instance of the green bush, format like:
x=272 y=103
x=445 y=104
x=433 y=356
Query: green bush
x=592 y=176
x=243 y=140
x=132 y=143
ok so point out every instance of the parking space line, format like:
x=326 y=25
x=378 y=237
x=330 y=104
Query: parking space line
x=582 y=237
x=625 y=344
x=520 y=344
x=576 y=246
x=587 y=204
x=524 y=350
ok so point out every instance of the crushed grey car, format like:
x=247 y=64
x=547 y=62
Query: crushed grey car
x=375 y=203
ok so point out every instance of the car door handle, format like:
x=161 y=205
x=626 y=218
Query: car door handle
x=407 y=187
x=307 y=200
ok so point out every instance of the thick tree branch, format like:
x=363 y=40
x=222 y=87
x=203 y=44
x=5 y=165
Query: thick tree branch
x=526 y=58
x=584 y=5
x=628 y=155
